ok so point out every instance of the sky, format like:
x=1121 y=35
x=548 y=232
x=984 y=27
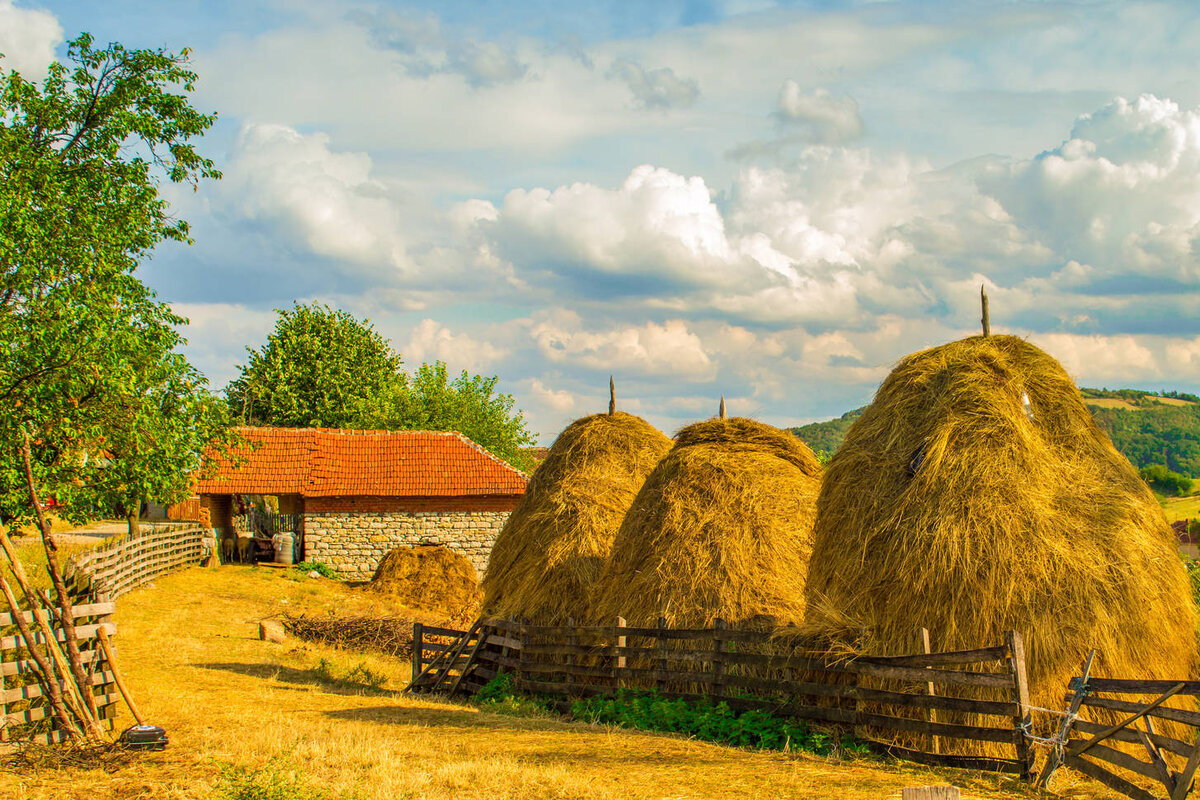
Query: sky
x=773 y=201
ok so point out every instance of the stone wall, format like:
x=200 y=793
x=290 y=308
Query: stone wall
x=352 y=543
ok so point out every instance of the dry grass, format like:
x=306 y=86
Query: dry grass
x=949 y=507
x=190 y=654
x=721 y=529
x=1177 y=508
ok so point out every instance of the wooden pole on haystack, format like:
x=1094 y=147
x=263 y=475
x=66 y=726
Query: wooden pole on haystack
x=983 y=301
x=612 y=396
x=721 y=411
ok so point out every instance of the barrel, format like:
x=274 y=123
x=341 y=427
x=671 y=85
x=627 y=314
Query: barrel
x=285 y=548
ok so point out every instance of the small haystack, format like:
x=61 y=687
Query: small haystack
x=977 y=495
x=721 y=529
x=429 y=578
x=556 y=541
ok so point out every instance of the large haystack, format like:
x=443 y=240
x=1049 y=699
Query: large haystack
x=430 y=578
x=721 y=529
x=977 y=495
x=556 y=541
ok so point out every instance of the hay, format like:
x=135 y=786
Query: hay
x=556 y=541
x=429 y=578
x=951 y=506
x=721 y=529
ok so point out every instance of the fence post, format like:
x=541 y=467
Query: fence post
x=930 y=714
x=418 y=651
x=522 y=659
x=570 y=679
x=618 y=661
x=1023 y=719
x=661 y=646
x=718 y=662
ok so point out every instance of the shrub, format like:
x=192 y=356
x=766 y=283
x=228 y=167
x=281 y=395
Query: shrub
x=275 y=780
x=1166 y=480
x=499 y=697
x=321 y=568
x=708 y=721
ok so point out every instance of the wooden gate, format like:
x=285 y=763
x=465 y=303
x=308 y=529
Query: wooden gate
x=1167 y=765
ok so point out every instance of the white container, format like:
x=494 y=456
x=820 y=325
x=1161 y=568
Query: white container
x=285 y=548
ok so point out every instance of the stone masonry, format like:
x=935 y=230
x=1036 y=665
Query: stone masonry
x=352 y=543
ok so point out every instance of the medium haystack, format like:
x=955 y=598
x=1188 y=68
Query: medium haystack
x=721 y=529
x=556 y=541
x=977 y=495
x=431 y=578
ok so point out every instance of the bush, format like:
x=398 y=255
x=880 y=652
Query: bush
x=499 y=697
x=321 y=568
x=708 y=721
x=1165 y=480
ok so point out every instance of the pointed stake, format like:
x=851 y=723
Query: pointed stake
x=722 y=412
x=987 y=324
x=612 y=396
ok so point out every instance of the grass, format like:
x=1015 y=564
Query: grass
x=251 y=719
x=1177 y=508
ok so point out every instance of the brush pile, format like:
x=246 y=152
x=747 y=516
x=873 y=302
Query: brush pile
x=976 y=495
x=721 y=529
x=390 y=636
x=555 y=543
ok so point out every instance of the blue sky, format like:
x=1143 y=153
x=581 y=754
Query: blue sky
x=773 y=201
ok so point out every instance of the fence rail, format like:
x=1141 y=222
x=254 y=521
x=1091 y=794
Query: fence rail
x=921 y=705
x=25 y=712
x=122 y=563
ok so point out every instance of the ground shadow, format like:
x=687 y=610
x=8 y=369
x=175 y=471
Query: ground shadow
x=302 y=677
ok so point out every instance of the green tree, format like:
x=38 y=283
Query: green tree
x=322 y=367
x=82 y=157
x=429 y=400
x=1165 y=480
x=318 y=368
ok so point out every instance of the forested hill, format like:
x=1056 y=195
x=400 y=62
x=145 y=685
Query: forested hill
x=1147 y=427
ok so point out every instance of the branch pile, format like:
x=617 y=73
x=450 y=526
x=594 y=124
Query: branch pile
x=390 y=636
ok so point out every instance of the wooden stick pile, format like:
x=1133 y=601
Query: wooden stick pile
x=59 y=667
x=388 y=635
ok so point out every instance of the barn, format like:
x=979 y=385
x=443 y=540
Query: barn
x=348 y=497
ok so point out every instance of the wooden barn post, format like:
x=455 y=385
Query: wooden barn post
x=1023 y=719
x=418 y=651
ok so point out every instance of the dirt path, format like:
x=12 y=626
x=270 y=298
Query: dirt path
x=192 y=658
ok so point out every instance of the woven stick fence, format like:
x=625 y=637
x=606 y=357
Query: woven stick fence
x=122 y=563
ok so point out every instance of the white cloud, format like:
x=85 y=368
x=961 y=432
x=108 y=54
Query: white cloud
x=1101 y=358
x=827 y=119
x=326 y=198
x=558 y=401
x=669 y=349
x=656 y=88
x=218 y=335
x=28 y=37
x=432 y=341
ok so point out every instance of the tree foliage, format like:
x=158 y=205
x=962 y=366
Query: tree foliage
x=322 y=367
x=88 y=356
x=319 y=368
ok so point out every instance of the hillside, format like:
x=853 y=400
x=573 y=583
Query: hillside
x=1147 y=427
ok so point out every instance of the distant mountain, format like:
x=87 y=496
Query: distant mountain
x=1148 y=427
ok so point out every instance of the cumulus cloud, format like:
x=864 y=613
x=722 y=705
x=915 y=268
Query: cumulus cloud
x=656 y=88
x=558 y=401
x=649 y=349
x=326 y=198
x=28 y=37
x=432 y=341
x=826 y=118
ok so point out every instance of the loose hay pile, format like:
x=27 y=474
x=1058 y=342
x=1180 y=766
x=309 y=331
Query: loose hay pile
x=977 y=495
x=430 y=578
x=721 y=529
x=556 y=541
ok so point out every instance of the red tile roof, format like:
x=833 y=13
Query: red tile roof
x=320 y=462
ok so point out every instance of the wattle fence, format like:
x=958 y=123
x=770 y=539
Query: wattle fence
x=121 y=563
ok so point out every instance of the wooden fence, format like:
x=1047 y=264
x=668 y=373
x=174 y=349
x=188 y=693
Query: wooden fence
x=24 y=709
x=122 y=563
x=907 y=698
x=1103 y=752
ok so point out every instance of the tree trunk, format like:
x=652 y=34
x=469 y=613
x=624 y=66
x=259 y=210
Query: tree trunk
x=132 y=516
